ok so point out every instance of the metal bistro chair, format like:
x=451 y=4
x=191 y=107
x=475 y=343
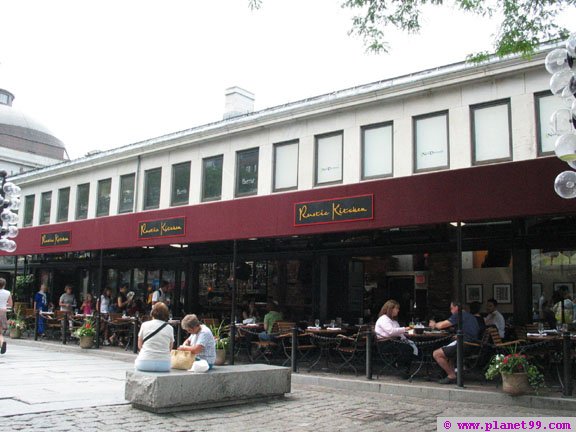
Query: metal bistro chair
x=352 y=349
x=304 y=346
x=266 y=349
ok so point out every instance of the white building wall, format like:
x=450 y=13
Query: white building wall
x=400 y=110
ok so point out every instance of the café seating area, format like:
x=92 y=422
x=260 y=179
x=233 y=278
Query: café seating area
x=342 y=349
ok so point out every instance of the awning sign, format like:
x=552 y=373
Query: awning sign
x=55 y=239
x=337 y=210
x=162 y=228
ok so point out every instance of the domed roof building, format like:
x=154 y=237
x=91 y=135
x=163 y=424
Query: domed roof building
x=26 y=144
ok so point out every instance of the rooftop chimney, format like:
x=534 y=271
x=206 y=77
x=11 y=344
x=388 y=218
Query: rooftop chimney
x=237 y=102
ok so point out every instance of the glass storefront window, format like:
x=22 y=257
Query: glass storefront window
x=431 y=142
x=82 y=196
x=329 y=158
x=63 y=204
x=212 y=178
x=103 y=199
x=152 y=188
x=29 y=209
x=491 y=136
x=180 y=183
x=286 y=166
x=126 y=196
x=247 y=172
x=45 y=205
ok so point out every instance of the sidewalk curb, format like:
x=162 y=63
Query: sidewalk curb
x=438 y=393
x=59 y=347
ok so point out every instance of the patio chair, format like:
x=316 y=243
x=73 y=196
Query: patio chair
x=304 y=345
x=266 y=349
x=499 y=345
x=351 y=349
x=388 y=354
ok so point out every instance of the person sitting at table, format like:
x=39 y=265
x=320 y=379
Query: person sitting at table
x=41 y=305
x=387 y=327
x=547 y=316
x=201 y=341
x=445 y=355
x=249 y=312
x=88 y=304
x=270 y=318
x=67 y=301
x=494 y=317
x=475 y=310
x=155 y=341
x=563 y=314
x=122 y=299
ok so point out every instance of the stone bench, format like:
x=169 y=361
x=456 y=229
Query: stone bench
x=224 y=385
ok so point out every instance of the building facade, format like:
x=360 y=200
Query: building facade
x=334 y=203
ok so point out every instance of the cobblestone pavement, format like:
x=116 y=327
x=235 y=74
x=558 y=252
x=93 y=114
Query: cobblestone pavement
x=308 y=408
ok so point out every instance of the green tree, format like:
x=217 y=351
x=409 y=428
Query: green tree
x=524 y=23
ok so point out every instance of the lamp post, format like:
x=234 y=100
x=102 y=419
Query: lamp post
x=561 y=63
x=9 y=203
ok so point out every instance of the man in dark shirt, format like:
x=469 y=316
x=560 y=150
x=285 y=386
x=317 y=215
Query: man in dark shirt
x=122 y=300
x=445 y=356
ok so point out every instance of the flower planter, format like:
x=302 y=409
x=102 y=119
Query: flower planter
x=220 y=357
x=15 y=333
x=86 y=341
x=516 y=384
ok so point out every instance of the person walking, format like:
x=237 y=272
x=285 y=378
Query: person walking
x=41 y=305
x=5 y=303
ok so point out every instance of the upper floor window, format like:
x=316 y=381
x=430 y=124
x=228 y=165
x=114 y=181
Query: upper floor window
x=82 y=196
x=247 y=172
x=180 y=183
x=103 y=197
x=63 y=204
x=546 y=104
x=152 y=186
x=491 y=132
x=45 y=205
x=212 y=178
x=329 y=158
x=377 y=150
x=286 y=166
x=431 y=141
x=126 y=196
x=29 y=209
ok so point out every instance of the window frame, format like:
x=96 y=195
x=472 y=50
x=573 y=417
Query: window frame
x=60 y=217
x=539 y=128
x=121 y=190
x=426 y=116
x=275 y=160
x=173 y=202
x=41 y=220
x=363 y=130
x=316 y=146
x=484 y=105
x=237 y=194
x=99 y=197
x=147 y=173
x=29 y=222
x=78 y=203
x=203 y=186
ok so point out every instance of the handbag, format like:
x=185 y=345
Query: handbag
x=181 y=359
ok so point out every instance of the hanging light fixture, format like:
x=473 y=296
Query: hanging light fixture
x=561 y=63
x=9 y=205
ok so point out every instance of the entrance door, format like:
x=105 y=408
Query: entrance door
x=401 y=289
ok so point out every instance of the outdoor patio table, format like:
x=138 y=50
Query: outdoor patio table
x=325 y=339
x=427 y=342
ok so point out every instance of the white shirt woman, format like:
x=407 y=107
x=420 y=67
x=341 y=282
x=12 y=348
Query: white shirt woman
x=154 y=353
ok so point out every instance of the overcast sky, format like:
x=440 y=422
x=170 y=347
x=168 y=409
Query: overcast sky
x=101 y=74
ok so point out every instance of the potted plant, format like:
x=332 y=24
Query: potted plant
x=221 y=341
x=16 y=326
x=519 y=376
x=86 y=334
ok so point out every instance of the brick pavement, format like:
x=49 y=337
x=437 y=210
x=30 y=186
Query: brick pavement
x=308 y=408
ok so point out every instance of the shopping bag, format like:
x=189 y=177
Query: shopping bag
x=181 y=359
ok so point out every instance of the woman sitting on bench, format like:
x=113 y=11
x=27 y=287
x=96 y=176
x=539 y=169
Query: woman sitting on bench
x=155 y=341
